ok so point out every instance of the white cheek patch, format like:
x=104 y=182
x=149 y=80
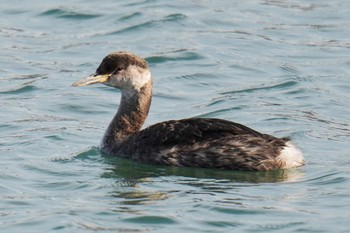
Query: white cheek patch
x=131 y=80
x=138 y=77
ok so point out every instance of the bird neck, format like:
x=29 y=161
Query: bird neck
x=131 y=115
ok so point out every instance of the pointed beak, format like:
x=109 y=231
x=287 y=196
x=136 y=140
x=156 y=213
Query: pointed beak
x=92 y=79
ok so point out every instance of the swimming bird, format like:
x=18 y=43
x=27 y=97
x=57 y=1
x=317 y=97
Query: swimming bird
x=192 y=142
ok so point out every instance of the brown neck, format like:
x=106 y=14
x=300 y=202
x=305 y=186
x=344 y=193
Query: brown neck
x=129 y=119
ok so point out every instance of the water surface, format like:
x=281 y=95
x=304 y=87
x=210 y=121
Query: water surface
x=281 y=67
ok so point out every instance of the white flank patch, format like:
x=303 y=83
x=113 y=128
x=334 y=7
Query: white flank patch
x=291 y=156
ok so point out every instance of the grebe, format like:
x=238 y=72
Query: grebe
x=193 y=142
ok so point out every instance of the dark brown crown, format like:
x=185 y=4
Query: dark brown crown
x=120 y=60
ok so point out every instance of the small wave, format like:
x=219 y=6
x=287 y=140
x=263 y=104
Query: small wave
x=216 y=113
x=327 y=179
x=20 y=90
x=174 y=18
x=87 y=154
x=290 y=69
x=68 y=14
x=29 y=77
x=148 y=24
x=150 y=220
x=130 y=16
x=182 y=57
x=282 y=85
x=133 y=28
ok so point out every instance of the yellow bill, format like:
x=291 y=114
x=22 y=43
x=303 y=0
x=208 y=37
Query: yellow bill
x=92 y=79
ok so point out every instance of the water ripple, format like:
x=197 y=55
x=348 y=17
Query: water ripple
x=134 y=28
x=184 y=56
x=150 y=220
x=172 y=18
x=20 y=90
x=282 y=85
x=328 y=179
x=130 y=16
x=68 y=14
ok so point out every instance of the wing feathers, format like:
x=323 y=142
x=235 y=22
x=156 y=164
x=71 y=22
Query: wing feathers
x=192 y=130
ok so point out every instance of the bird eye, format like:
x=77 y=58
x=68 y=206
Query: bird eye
x=117 y=70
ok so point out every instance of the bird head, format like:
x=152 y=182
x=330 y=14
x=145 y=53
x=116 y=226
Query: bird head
x=122 y=70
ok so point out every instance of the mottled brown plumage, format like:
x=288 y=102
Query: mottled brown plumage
x=193 y=142
x=203 y=142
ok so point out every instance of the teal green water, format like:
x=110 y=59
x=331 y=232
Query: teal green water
x=281 y=67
